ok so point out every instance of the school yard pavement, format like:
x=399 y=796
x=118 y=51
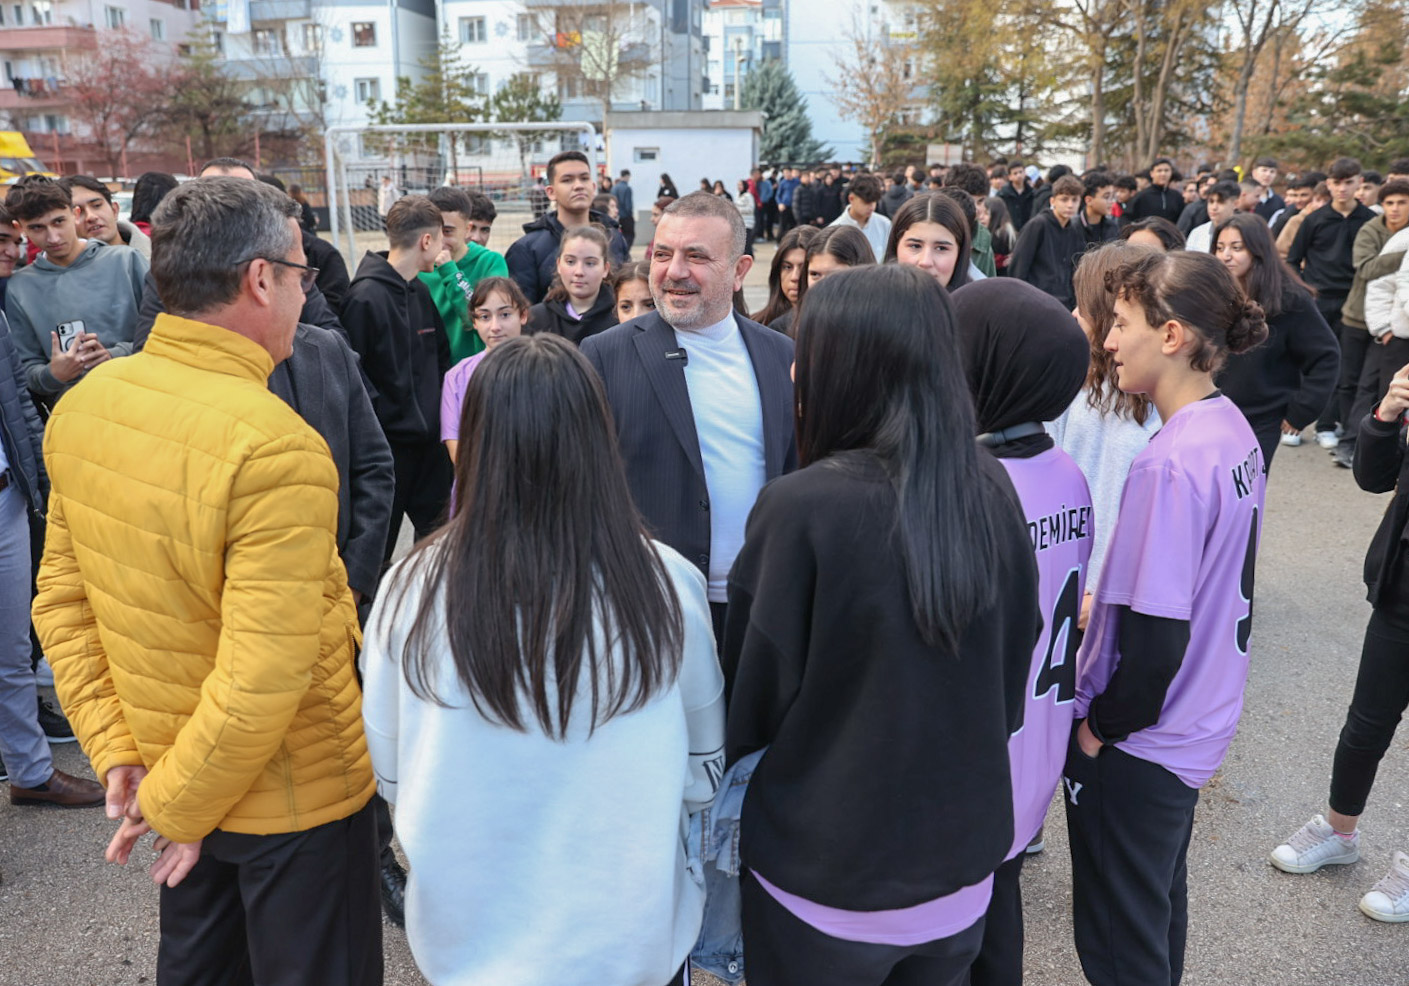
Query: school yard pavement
x=69 y=919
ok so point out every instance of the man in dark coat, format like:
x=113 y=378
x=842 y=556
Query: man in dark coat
x=702 y=397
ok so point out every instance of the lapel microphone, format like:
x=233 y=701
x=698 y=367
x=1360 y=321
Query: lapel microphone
x=679 y=354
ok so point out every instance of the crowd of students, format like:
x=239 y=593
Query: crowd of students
x=762 y=642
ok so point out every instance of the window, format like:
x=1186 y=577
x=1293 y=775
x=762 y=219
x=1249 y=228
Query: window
x=2 y=16
x=116 y=17
x=567 y=88
x=158 y=27
x=527 y=27
x=594 y=23
x=364 y=35
x=313 y=38
x=217 y=41
x=41 y=12
x=368 y=90
x=265 y=41
x=478 y=145
x=19 y=14
x=479 y=82
x=640 y=154
x=472 y=31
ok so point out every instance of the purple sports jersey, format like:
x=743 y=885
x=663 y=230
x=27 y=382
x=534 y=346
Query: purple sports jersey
x=1057 y=505
x=1184 y=548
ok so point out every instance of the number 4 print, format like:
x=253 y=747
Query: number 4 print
x=1059 y=668
x=1244 y=631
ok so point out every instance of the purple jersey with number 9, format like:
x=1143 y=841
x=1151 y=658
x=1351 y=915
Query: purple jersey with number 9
x=1185 y=548
x=1057 y=505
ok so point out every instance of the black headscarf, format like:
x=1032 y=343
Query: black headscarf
x=1024 y=355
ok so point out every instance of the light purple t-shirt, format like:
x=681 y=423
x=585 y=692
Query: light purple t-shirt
x=452 y=395
x=1060 y=523
x=1185 y=548
x=930 y=921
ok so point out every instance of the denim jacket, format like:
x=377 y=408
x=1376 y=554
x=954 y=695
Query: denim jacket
x=714 y=839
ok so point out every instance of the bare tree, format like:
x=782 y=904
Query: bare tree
x=1094 y=23
x=117 y=93
x=875 y=82
x=1260 y=21
x=1160 y=35
x=597 y=47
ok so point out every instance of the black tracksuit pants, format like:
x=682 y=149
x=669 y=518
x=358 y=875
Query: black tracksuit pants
x=1382 y=362
x=1129 y=821
x=1000 y=961
x=1378 y=703
x=423 y=478
x=299 y=909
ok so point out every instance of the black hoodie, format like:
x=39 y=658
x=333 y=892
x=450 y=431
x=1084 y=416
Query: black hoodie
x=552 y=316
x=533 y=257
x=394 y=326
x=893 y=199
x=1165 y=201
x=1046 y=255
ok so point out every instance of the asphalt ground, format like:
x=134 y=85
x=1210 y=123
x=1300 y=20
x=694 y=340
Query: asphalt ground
x=67 y=918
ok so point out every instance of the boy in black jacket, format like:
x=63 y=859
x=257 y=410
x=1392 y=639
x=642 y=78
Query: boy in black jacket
x=1323 y=254
x=1160 y=198
x=393 y=324
x=1050 y=245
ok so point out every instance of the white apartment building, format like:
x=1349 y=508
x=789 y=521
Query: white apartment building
x=738 y=35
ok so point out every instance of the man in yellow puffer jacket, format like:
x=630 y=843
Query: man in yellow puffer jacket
x=197 y=616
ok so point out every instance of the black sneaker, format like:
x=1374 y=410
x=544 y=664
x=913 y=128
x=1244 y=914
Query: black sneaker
x=1344 y=456
x=55 y=726
x=394 y=892
x=4 y=771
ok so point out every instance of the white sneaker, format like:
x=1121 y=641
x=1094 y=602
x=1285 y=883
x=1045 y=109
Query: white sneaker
x=1388 y=900
x=1327 y=439
x=43 y=674
x=1291 y=439
x=1316 y=845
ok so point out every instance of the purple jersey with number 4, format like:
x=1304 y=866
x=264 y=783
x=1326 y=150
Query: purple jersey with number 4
x=1185 y=548
x=1057 y=505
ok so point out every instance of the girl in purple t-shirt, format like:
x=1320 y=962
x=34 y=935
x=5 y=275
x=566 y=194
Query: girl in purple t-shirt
x=499 y=311
x=1161 y=671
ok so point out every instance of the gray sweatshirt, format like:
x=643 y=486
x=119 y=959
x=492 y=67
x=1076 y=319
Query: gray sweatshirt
x=101 y=288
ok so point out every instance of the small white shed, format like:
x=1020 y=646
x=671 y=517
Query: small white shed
x=687 y=145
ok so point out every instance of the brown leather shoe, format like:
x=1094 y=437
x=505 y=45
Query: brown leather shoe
x=60 y=789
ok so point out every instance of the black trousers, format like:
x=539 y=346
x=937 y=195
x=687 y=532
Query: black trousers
x=1355 y=345
x=1382 y=362
x=787 y=219
x=1378 y=703
x=423 y=478
x=781 y=950
x=300 y=909
x=1129 y=821
x=1000 y=960
x=1332 y=314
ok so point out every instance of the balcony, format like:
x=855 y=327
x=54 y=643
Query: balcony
x=272 y=67
x=280 y=10
x=47 y=38
x=18 y=101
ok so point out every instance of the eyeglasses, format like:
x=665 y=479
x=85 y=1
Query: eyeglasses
x=306 y=280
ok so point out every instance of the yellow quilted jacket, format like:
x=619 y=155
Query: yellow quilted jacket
x=191 y=599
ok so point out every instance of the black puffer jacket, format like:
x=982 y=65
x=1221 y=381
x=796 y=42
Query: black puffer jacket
x=1381 y=466
x=533 y=257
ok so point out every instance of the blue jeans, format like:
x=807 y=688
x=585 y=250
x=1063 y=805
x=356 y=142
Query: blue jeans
x=22 y=742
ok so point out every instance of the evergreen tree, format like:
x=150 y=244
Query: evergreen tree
x=521 y=100
x=787 y=129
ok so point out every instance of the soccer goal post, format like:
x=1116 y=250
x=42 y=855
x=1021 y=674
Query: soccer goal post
x=500 y=160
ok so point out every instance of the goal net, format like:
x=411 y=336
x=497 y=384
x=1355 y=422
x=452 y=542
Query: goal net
x=503 y=161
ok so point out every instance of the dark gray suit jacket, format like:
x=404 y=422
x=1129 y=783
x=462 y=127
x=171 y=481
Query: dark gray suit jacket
x=322 y=381
x=656 y=426
x=316 y=311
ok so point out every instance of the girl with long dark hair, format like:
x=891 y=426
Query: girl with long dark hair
x=1162 y=667
x=931 y=232
x=1000 y=227
x=631 y=286
x=667 y=188
x=881 y=620
x=542 y=701
x=833 y=249
x=785 y=275
x=1282 y=385
x=1026 y=359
